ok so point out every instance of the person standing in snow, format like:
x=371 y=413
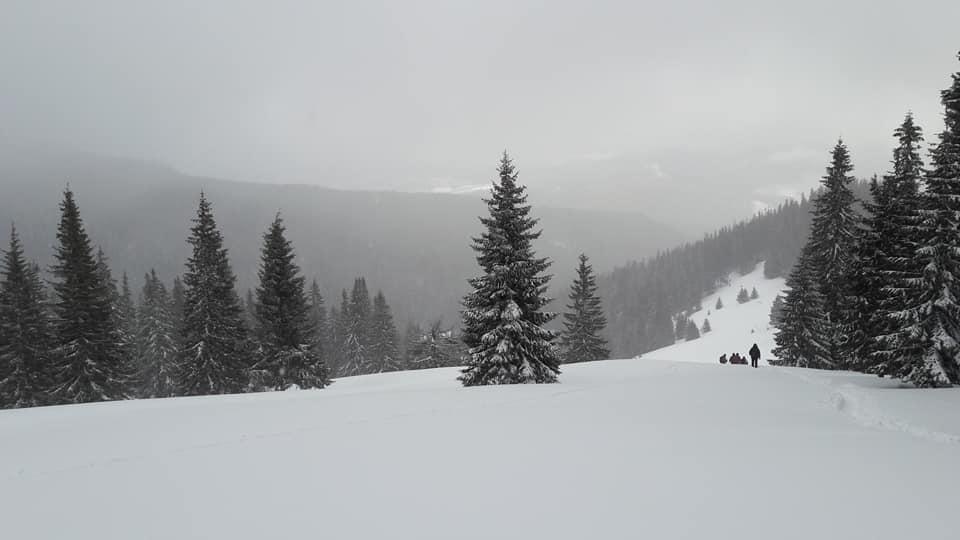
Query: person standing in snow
x=754 y=355
x=723 y=359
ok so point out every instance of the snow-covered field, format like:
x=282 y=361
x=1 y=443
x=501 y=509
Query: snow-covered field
x=620 y=449
x=735 y=327
x=658 y=447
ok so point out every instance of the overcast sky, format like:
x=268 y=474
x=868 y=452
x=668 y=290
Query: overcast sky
x=419 y=95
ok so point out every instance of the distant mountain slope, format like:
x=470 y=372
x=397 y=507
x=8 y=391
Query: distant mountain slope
x=735 y=327
x=414 y=246
x=642 y=296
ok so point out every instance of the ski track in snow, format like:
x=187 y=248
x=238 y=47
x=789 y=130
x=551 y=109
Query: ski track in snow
x=855 y=402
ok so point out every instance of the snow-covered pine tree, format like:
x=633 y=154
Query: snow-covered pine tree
x=88 y=361
x=384 y=355
x=862 y=284
x=706 y=326
x=503 y=321
x=929 y=343
x=899 y=269
x=357 y=337
x=754 y=294
x=25 y=337
x=800 y=323
x=743 y=296
x=318 y=320
x=285 y=332
x=156 y=339
x=213 y=356
x=832 y=243
x=719 y=304
x=776 y=311
x=692 y=331
x=583 y=324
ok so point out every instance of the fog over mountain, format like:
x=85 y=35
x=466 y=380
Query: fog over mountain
x=415 y=246
x=694 y=112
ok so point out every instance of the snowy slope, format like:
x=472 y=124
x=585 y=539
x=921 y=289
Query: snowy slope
x=735 y=327
x=619 y=450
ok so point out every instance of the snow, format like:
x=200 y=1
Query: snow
x=735 y=327
x=621 y=449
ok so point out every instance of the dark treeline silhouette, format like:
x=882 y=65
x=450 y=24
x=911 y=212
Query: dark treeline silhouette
x=86 y=338
x=879 y=292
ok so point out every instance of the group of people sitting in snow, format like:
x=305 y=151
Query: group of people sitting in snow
x=736 y=359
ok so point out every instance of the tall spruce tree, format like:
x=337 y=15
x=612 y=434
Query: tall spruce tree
x=832 y=243
x=581 y=339
x=89 y=364
x=927 y=347
x=863 y=284
x=891 y=343
x=25 y=338
x=356 y=340
x=156 y=342
x=285 y=332
x=384 y=355
x=318 y=320
x=800 y=331
x=213 y=356
x=503 y=317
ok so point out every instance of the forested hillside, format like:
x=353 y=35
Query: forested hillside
x=642 y=297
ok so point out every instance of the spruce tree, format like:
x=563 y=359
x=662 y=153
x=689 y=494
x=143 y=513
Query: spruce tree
x=503 y=321
x=832 y=249
x=384 y=355
x=900 y=269
x=719 y=304
x=776 y=311
x=706 y=326
x=754 y=294
x=692 y=331
x=285 y=332
x=862 y=283
x=743 y=296
x=928 y=345
x=800 y=331
x=25 y=337
x=88 y=361
x=213 y=354
x=156 y=342
x=581 y=339
x=318 y=321
x=356 y=341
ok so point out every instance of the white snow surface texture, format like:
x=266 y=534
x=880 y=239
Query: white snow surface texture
x=620 y=449
x=735 y=327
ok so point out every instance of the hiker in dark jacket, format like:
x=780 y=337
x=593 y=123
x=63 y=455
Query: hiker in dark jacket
x=754 y=355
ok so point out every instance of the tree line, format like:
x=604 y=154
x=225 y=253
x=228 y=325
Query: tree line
x=879 y=291
x=86 y=339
